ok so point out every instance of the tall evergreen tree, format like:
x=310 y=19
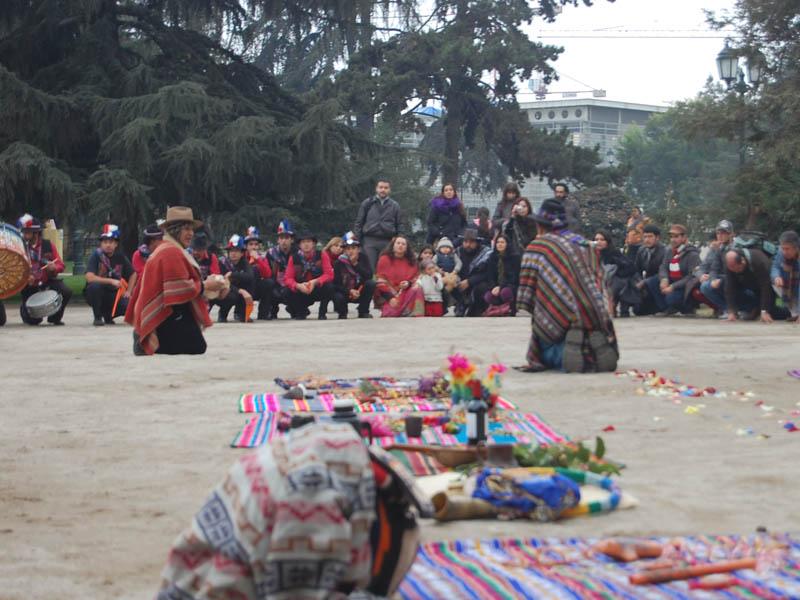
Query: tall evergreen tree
x=118 y=108
x=470 y=60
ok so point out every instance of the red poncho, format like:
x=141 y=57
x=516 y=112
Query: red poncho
x=170 y=277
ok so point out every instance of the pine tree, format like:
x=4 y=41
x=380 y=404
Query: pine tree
x=115 y=109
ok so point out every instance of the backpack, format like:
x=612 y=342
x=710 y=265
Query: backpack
x=749 y=240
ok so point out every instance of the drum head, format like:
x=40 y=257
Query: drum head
x=43 y=304
x=15 y=268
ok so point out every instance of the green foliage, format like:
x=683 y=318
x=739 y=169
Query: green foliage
x=572 y=456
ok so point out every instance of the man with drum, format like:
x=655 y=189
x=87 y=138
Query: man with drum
x=107 y=271
x=46 y=264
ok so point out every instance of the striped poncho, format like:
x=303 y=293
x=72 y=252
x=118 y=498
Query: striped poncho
x=171 y=277
x=561 y=284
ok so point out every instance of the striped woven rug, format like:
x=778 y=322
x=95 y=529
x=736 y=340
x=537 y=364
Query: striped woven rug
x=514 y=427
x=259 y=403
x=552 y=569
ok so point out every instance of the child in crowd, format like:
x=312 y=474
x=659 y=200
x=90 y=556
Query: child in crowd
x=425 y=254
x=448 y=262
x=432 y=284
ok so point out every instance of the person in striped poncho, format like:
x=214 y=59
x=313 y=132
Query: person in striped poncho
x=561 y=286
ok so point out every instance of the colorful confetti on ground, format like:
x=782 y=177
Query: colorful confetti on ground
x=686 y=395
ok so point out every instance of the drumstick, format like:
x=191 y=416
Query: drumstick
x=664 y=575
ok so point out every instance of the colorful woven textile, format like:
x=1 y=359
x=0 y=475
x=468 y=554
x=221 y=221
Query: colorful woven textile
x=257 y=403
x=352 y=384
x=552 y=569
x=514 y=427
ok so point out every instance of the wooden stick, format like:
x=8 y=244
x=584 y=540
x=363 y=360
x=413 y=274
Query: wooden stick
x=664 y=575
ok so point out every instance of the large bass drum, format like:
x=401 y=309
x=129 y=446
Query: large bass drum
x=15 y=266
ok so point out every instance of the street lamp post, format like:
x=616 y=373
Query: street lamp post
x=733 y=75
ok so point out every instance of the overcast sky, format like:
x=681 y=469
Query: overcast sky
x=634 y=69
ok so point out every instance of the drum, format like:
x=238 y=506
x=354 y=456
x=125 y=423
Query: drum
x=15 y=266
x=43 y=304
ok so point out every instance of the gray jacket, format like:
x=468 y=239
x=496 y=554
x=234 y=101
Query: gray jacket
x=376 y=218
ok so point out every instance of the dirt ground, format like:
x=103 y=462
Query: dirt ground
x=104 y=456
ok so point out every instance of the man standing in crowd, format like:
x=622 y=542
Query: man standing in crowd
x=378 y=221
x=672 y=287
x=264 y=283
x=560 y=287
x=712 y=283
x=279 y=256
x=352 y=279
x=648 y=262
x=785 y=272
x=748 y=288
x=571 y=208
x=474 y=275
x=106 y=270
x=46 y=264
x=309 y=277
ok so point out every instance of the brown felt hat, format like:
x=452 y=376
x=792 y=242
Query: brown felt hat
x=176 y=214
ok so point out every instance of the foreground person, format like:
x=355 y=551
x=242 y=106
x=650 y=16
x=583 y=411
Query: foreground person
x=46 y=265
x=167 y=309
x=314 y=514
x=560 y=285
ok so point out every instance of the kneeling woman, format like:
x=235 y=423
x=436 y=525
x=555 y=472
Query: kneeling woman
x=168 y=310
x=397 y=273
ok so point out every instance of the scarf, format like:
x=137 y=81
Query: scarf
x=171 y=277
x=446 y=205
x=501 y=267
x=351 y=278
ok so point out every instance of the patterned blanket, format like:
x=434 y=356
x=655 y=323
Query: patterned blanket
x=259 y=403
x=554 y=569
x=513 y=427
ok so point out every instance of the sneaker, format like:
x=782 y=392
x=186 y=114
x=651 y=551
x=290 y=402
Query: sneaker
x=57 y=323
x=723 y=316
x=364 y=316
x=98 y=322
x=572 y=361
x=668 y=313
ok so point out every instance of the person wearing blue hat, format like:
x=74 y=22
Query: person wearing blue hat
x=237 y=270
x=108 y=270
x=263 y=283
x=279 y=259
x=352 y=279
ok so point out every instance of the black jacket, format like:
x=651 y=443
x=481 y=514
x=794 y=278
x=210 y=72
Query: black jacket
x=342 y=279
x=447 y=222
x=754 y=278
x=376 y=218
x=242 y=275
x=648 y=260
x=511 y=266
x=625 y=266
x=519 y=231
x=475 y=266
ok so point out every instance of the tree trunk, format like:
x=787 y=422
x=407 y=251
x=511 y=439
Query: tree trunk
x=453 y=121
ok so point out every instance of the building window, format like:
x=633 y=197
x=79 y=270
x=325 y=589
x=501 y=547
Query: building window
x=564 y=114
x=578 y=113
x=537 y=115
x=551 y=114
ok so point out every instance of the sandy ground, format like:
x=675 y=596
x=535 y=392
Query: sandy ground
x=104 y=456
